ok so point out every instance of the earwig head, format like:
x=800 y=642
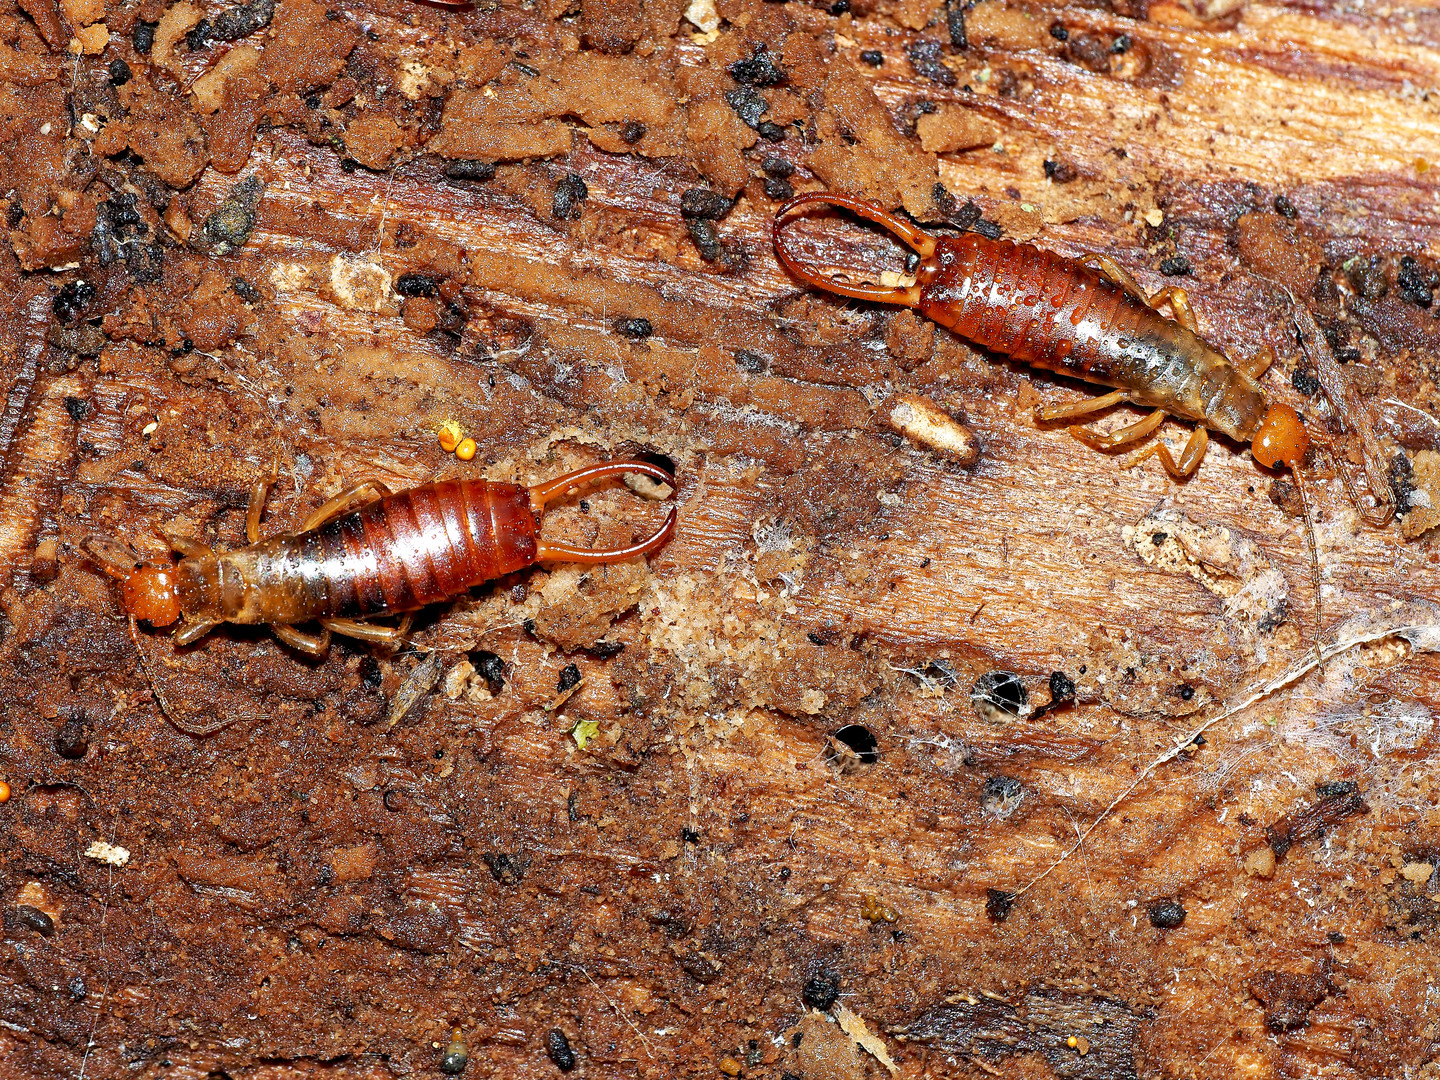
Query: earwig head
x=150 y=594
x=1281 y=439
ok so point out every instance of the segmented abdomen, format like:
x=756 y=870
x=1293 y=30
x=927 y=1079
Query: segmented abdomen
x=398 y=554
x=1032 y=305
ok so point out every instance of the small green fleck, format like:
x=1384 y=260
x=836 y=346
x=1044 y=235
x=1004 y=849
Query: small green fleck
x=584 y=731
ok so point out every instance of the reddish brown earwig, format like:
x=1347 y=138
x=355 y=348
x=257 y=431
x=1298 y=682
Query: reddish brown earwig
x=1059 y=314
x=393 y=554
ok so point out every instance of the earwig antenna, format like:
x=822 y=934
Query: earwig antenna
x=1314 y=564
x=540 y=494
x=917 y=240
x=194 y=730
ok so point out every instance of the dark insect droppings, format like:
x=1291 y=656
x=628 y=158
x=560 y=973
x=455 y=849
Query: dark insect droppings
x=998 y=903
x=1166 y=914
x=78 y=408
x=413 y=284
x=489 y=667
x=820 y=991
x=779 y=190
x=925 y=59
x=1062 y=687
x=570 y=194
x=873 y=57
x=118 y=72
x=1174 y=265
x=1059 y=33
x=1285 y=208
x=558 y=1047
x=699 y=202
x=777 y=167
x=632 y=131
x=1415 y=283
x=634 y=329
x=569 y=677
x=470 y=170
x=143 y=36
x=759 y=70
x=36 y=919
x=72 y=741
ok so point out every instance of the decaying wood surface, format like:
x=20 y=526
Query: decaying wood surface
x=679 y=867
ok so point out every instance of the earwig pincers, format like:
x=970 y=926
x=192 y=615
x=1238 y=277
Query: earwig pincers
x=1060 y=314
x=365 y=553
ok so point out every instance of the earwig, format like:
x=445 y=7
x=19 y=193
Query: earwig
x=1061 y=315
x=365 y=553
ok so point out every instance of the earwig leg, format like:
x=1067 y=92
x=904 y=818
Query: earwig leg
x=191 y=549
x=345 y=501
x=1258 y=364
x=313 y=644
x=1123 y=436
x=1081 y=408
x=1117 y=275
x=116 y=559
x=1179 y=301
x=192 y=632
x=1190 y=457
x=384 y=635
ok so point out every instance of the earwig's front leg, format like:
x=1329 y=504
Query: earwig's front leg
x=1190 y=457
x=1082 y=408
x=346 y=500
x=383 y=635
x=1123 y=436
x=313 y=644
x=1179 y=301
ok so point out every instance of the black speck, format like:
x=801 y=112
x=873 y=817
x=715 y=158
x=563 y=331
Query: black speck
x=752 y=363
x=988 y=229
x=247 y=292
x=749 y=105
x=784 y=873
x=1159 y=538
x=820 y=991
x=816 y=639
x=394 y=800
x=1186 y=692
x=1416 y=283
x=1304 y=380
x=874 y=57
x=777 y=167
x=840 y=7
x=78 y=408
x=371 y=675
x=72 y=741
x=759 y=70
x=525 y=68
x=569 y=677
x=1335 y=789
x=143 y=36
x=529 y=625
x=570 y=194
x=605 y=650
x=771 y=131
x=558 y=1047
x=489 y=667
x=689 y=836
x=1285 y=208
x=36 y=919
x=1062 y=687
x=1059 y=33
x=118 y=72
x=504 y=867
x=998 y=903
x=584 y=506
x=925 y=59
x=1120 y=45
x=634 y=329
x=470 y=170
x=78 y=990
x=632 y=131
x=1174 y=266
x=778 y=189
x=414 y=284
x=925 y=562
x=699 y=202
x=1335 y=937
x=73 y=296
x=1061 y=172
x=1166 y=914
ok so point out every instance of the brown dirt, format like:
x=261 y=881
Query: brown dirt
x=208 y=243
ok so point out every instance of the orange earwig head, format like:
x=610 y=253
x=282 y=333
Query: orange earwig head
x=1281 y=439
x=150 y=594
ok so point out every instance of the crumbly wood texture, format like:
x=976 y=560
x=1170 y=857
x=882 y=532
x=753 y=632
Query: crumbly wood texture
x=304 y=237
